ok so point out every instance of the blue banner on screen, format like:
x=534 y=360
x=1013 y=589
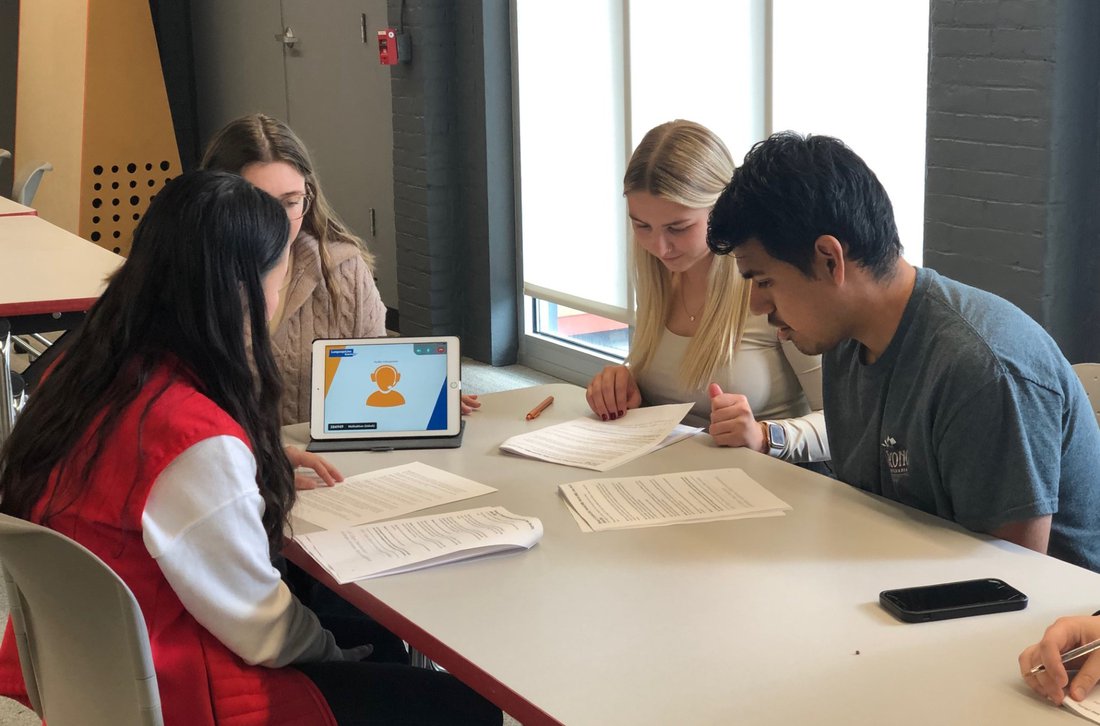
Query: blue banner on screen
x=391 y=387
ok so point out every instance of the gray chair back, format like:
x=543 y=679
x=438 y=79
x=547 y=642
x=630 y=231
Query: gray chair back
x=26 y=186
x=1089 y=373
x=82 y=642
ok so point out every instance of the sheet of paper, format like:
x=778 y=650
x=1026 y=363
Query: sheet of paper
x=1089 y=708
x=384 y=494
x=679 y=433
x=404 y=545
x=576 y=517
x=601 y=445
x=662 y=499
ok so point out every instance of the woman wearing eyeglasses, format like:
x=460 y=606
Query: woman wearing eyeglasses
x=329 y=291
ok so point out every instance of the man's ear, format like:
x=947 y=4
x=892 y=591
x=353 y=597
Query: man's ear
x=829 y=260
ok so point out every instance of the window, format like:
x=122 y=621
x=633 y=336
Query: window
x=867 y=85
x=592 y=76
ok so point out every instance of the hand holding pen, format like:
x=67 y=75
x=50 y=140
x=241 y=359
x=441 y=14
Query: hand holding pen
x=1043 y=665
x=1071 y=654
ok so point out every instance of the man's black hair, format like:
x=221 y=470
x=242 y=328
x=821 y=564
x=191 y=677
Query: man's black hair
x=792 y=189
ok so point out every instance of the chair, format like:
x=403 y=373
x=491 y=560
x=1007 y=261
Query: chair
x=26 y=186
x=1089 y=373
x=4 y=154
x=82 y=642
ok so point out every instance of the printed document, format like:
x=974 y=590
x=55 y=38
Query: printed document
x=384 y=494
x=404 y=545
x=601 y=445
x=663 y=499
x=1089 y=708
x=679 y=433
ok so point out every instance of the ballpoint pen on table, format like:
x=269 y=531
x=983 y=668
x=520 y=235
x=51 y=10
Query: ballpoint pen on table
x=534 y=412
x=1071 y=654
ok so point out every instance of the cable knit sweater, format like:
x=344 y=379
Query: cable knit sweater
x=309 y=313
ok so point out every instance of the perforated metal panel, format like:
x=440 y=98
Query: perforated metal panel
x=119 y=197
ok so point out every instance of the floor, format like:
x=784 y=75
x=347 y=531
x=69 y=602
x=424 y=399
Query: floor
x=477 y=378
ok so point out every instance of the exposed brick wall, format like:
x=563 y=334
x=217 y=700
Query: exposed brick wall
x=1009 y=82
x=423 y=166
x=454 y=208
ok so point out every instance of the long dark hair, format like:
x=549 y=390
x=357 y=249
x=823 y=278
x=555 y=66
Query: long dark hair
x=193 y=278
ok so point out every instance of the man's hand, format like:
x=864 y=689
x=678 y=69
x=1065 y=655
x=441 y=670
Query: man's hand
x=732 y=422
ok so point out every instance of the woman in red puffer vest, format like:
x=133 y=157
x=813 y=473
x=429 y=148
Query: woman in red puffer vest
x=155 y=444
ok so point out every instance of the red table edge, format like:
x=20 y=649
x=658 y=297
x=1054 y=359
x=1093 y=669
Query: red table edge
x=505 y=698
x=28 y=213
x=46 y=307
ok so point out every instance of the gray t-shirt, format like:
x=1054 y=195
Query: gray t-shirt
x=971 y=413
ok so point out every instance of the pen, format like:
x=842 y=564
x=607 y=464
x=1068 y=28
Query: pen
x=1071 y=654
x=534 y=412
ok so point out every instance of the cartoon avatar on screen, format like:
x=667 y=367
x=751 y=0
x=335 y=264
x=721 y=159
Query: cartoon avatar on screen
x=385 y=377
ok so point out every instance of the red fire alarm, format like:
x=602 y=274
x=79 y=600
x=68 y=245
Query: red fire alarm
x=393 y=47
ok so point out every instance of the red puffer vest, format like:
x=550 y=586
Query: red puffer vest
x=202 y=683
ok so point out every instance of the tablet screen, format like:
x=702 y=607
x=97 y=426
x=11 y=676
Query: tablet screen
x=385 y=387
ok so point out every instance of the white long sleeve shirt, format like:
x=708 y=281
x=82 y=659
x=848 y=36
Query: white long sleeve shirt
x=780 y=383
x=203 y=524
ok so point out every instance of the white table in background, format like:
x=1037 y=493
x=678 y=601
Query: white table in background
x=48 y=278
x=762 y=621
x=47 y=270
x=10 y=208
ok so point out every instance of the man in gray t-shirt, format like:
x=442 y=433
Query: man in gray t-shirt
x=962 y=416
x=937 y=395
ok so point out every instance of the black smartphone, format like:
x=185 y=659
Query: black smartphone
x=952 y=600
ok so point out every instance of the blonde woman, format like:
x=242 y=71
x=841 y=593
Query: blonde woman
x=694 y=339
x=329 y=289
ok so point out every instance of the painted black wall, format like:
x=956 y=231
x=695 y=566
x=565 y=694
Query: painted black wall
x=172 y=23
x=9 y=59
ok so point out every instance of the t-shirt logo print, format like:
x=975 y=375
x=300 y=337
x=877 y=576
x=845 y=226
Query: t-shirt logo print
x=897 y=458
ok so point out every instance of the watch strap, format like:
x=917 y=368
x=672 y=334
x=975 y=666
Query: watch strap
x=774 y=449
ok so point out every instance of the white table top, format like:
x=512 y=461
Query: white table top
x=764 y=621
x=10 y=208
x=45 y=269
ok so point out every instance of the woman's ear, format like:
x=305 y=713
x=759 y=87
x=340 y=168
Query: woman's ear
x=829 y=260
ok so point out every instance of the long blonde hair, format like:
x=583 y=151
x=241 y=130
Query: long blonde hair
x=685 y=163
x=259 y=138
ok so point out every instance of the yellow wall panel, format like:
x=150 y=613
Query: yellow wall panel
x=126 y=144
x=49 y=104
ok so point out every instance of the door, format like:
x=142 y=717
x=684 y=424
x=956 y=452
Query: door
x=328 y=86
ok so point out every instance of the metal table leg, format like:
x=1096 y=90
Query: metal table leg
x=7 y=403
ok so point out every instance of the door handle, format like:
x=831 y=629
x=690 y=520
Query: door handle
x=287 y=37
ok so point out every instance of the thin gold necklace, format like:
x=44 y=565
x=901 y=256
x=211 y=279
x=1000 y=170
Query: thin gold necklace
x=683 y=303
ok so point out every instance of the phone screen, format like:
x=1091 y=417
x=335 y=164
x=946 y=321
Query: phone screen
x=953 y=599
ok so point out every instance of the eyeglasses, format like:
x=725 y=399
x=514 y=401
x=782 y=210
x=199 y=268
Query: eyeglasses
x=296 y=205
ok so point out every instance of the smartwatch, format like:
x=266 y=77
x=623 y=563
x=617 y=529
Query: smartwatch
x=775 y=437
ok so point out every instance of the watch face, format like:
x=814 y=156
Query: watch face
x=778 y=435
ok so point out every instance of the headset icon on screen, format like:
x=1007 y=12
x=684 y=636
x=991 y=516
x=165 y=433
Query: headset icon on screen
x=385 y=377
